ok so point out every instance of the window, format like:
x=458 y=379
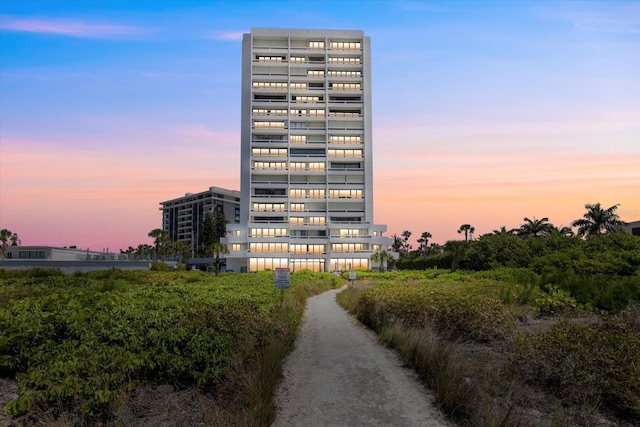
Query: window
x=337 y=60
x=317 y=220
x=268 y=125
x=261 y=58
x=316 y=113
x=296 y=220
x=336 y=73
x=345 y=153
x=235 y=247
x=336 y=139
x=344 y=45
x=298 y=139
x=298 y=86
x=298 y=166
x=269 y=85
x=349 y=232
x=316 y=194
x=269 y=247
x=298 y=59
x=347 y=247
x=297 y=207
x=274 y=152
x=343 y=264
x=316 y=45
x=315 y=73
x=260 y=264
x=296 y=194
x=268 y=232
x=268 y=207
x=345 y=86
x=306 y=99
x=345 y=194
x=265 y=112
x=270 y=165
x=316 y=166
x=307 y=249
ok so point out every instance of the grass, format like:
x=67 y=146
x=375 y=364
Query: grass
x=545 y=372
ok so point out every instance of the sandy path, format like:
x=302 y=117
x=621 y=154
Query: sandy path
x=338 y=375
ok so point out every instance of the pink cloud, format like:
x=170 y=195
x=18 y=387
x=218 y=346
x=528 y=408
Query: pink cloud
x=64 y=27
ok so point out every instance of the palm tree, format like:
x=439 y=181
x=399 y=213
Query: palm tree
x=565 y=231
x=160 y=241
x=216 y=249
x=468 y=230
x=424 y=241
x=503 y=230
x=7 y=238
x=597 y=220
x=535 y=228
x=457 y=248
x=381 y=257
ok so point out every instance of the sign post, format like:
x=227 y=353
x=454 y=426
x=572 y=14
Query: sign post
x=283 y=280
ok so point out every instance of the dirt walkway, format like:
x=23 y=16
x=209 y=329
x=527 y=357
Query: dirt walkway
x=338 y=375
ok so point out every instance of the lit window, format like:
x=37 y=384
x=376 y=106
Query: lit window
x=344 y=45
x=316 y=166
x=296 y=220
x=296 y=194
x=317 y=220
x=337 y=73
x=298 y=139
x=334 y=139
x=316 y=45
x=297 y=207
x=315 y=73
x=269 y=85
x=340 y=60
x=235 y=247
x=298 y=59
x=316 y=194
x=268 y=125
x=270 y=58
x=345 y=86
x=298 y=86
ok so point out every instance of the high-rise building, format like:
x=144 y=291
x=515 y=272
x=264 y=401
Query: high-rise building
x=182 y=217
x=306 y=153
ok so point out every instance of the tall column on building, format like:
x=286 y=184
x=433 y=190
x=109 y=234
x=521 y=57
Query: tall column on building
x=306 y=153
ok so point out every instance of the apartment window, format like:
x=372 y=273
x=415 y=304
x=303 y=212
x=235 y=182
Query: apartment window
x=345 y=194
x=307 y=249
x=270 y=165
x=298 y=86
x=339 y=139
x=235 y=233
x=296 y=220
x=316 y=265
x=341 y=60
x=296 y=194
x=316 y=45
x=375 y=247
x=344 y=45
x=236 y=247
x=316 y=166
x=345 y=86
x=298 y=139
x=268 y=232
x=261 y=58
x=268 y=125
x=269 y=85
x=315 y=73
x=316 y=113
x=297 y=207
x=345 y=153
x=269 y=247
x=347 y=247
x=268 y=207
x=274 y=152
x=316 y=194
x=260 y=264
x=337 y=73
x=265 y=112
x=343 y=264
x=298 y=59
x=306 y=99
x=317 y=220
x=298 y=166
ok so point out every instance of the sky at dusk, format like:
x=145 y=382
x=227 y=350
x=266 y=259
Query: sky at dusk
x=483 y=112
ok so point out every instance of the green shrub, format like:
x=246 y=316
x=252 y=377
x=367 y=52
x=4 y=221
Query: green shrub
x=592 y=364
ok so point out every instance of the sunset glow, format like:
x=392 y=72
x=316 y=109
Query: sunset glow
x=483 y=113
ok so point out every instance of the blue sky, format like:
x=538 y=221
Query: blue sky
x=484 y=112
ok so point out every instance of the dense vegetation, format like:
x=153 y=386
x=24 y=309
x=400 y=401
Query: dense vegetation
x=85 y=341
x=483 y=341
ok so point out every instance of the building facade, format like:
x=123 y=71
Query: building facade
x=306 y=153
x=182 y=218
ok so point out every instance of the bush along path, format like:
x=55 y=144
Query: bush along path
x=338 y=374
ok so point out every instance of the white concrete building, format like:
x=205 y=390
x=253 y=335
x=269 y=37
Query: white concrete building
x=306 y=159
